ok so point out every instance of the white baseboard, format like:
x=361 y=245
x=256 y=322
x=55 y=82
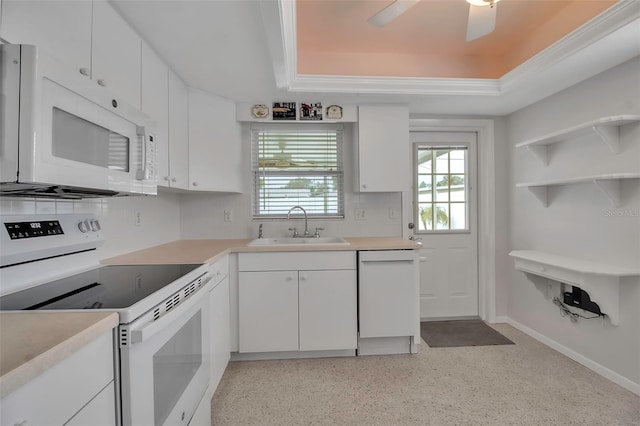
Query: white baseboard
x=501 y=320
x=592 y=365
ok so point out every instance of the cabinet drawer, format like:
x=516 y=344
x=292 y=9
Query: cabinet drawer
x=310 y=260
x=219 y=270
x=100 y=411
x=60 y=392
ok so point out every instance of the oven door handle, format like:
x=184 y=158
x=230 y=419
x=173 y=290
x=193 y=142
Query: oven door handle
x=147 y=331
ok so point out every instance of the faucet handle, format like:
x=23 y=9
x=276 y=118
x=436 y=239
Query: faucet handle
x=295 y=231
x=317 y=234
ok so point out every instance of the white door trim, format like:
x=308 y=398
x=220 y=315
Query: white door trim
x=486 y=201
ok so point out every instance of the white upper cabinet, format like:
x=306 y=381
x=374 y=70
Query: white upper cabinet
x=383 y=152
x=115 y=54
x=62 y=28
x=215 y=150
x=154 y=101
x=89 y=37
x=173 y=159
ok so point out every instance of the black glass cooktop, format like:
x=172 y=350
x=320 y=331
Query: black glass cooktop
x=108 y=287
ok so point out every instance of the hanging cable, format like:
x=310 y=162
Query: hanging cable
x=573 y=316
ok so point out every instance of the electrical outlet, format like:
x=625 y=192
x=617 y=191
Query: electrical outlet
x=360 y=214
x=228 y=215
x=137 y=218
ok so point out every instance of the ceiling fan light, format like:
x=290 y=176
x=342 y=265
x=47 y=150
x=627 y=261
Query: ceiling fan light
x=482 y=2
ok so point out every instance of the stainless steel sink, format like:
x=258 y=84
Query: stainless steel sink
x=298 y=241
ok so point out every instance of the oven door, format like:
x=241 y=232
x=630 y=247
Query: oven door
x=165 y=364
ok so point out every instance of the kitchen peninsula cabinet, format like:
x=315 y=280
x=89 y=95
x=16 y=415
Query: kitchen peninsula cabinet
x=382 y=149
x=215 y=149
x=79 y=390
x=294 y=301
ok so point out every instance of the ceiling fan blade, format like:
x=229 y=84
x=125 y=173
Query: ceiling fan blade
x=391 y=12
x=482 y=21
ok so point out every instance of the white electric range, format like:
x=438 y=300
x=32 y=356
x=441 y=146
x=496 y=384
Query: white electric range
x=49 y=263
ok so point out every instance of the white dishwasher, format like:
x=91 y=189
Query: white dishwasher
x=388 y=299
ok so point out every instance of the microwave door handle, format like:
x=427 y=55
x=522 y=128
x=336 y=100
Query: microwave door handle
x=148 y=331
x=143 y=140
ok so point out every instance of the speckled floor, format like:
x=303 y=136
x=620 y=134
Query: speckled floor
x=522 y=384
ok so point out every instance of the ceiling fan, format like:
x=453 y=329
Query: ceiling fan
x=481 y=21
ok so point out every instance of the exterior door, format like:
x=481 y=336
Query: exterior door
x=445 y=220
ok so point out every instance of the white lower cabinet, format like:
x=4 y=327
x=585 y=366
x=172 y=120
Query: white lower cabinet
x=327 y=302
x=310 y=308
x=220 y=333
x=268 y=311
x=78 y=390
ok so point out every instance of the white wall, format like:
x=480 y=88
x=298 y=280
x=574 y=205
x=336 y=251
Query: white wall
x=579 y=221
x=160 y=218
x=202 y=215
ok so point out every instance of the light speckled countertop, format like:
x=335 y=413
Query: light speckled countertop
x=32 y=342
x=206 y=251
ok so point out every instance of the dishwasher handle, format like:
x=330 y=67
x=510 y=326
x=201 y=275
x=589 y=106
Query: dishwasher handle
x=387 y=256
x=388 y=261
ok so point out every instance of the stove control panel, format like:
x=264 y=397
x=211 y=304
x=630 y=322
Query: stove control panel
x=41 y=228
x=26 y=238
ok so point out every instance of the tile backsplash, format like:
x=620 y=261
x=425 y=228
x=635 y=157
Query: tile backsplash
x=129 y=223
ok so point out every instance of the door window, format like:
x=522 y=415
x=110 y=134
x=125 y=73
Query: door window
x=442 y=188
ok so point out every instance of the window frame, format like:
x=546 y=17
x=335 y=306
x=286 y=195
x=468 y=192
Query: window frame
x=468 y=185
x=298 y=128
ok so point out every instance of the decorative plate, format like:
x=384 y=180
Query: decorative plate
x=260 y=111
x=334 y=112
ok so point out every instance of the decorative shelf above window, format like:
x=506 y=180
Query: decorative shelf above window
x=608 y=128
x=600 y=280
x=608 y=183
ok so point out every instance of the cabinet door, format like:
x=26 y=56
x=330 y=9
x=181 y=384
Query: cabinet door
x=63 y=28
x=215 y=152
x=383 y=150
x=154 y=101
x=115 y=54
x=328 y=310
x=177 y=156
x=220 y=337
x=268 y=311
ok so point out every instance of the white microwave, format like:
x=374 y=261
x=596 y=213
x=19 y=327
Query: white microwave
x=63 y=136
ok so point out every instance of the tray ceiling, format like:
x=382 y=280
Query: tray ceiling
x=334 y=38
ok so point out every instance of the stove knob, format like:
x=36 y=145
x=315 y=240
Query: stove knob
x=84 y=226
x=95 y=225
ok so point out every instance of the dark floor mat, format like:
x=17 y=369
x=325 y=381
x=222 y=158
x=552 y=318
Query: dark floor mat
x=441 y=334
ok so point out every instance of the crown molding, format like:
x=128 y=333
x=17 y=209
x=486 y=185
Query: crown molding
x=280 y=26
x=603 y=25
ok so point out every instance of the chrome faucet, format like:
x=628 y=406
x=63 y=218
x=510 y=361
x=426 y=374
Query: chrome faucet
x=306 y=228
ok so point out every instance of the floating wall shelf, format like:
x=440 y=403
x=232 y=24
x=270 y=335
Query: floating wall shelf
x=608 y=128
x=600 y=280
x=608 y=183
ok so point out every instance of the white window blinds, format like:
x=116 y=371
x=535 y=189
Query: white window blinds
x=297 y=167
